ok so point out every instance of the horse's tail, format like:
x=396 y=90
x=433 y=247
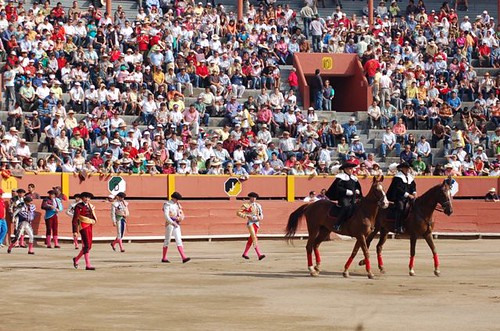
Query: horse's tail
x=293 y=222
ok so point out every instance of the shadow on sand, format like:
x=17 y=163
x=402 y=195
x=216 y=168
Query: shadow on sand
x=287 y=274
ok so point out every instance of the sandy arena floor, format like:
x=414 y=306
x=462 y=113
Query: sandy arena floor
x=218 y=290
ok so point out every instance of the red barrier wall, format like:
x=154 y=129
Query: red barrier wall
x=219 y=218
x=140 y=186
x=213 y=186
x=468 y=186
x=203 y=186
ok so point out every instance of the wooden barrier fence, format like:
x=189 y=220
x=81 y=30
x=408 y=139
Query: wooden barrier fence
x=284 y=187
x=218 y=218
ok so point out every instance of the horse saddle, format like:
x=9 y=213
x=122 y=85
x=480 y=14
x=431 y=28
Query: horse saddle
x=334 y=210
x=392 y=213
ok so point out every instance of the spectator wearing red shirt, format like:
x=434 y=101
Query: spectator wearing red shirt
x=96 y=160
x=168 y=168
x=484 y=55
x=293 y=80
x=154 y=40
x=84 y=133
x=58 y=11
x=143 y=42
x=353 y=160
x=202 y=71
x=229 y=144
x=371 y=66
x=59 y=33
x=11 y=12
x=12 y=59
x=131 y=150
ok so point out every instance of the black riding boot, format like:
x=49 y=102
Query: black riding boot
x=398 y=223
x=340 y=219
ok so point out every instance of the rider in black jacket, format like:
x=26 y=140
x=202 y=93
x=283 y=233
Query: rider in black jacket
x=402 y=190
x=345 y=189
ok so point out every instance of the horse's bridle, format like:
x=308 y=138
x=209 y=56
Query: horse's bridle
x=443 y=205
x=380 y=201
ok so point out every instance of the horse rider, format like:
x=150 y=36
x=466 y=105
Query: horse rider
x=345 y=189
x=403 y=189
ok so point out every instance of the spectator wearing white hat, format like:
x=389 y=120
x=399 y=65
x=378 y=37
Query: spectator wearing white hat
x=491 y=196
x=42 y=91
x=350 y=129
x=13 y=136
x=148 y=107
x=91 y=99
x=22 y=150
x=481 y=154
x=77 y=97
x=264 y=134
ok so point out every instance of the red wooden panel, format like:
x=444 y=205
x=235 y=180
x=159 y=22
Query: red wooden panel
x=213 y=186
x=138 y=186
x=219 y=218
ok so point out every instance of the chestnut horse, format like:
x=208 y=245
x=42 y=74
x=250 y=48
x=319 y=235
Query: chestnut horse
x=320 y=225
x=419 y=223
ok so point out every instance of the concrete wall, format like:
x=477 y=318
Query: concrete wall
x=352 y=92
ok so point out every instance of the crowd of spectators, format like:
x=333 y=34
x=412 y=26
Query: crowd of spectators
x=75 y=78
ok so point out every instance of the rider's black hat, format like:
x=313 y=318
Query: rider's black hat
x=404 y=164
x=347 y=165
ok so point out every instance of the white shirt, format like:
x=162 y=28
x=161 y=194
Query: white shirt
x=23 y=151
x=149 y=107
x=389 y=138
x=172 y=212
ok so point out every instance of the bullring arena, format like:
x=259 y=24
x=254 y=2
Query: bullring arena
x=218 y=290
x=219 y=99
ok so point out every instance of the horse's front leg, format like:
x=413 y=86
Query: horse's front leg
x=366 y=253
x=369 y=239
x=380 y=246
x=413 y=244
x=351 y=258
x=430 y=242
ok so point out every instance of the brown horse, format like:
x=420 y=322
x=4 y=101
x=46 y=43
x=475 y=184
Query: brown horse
x=419 y=223
x=320 y=225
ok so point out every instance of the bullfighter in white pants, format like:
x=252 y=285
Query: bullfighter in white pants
x=174 y=215
x=119 y=215
x=26 y=216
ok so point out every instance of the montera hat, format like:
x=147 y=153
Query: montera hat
x=176 y=195
x=86 y=195
x=253 y=195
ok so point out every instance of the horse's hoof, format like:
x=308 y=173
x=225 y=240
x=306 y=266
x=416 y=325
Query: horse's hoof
x=370 y=275
x=437 y=273
x=317 y=267
x=345 y=274
x=361 y=263
x=382 y=270
x=412 y=272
